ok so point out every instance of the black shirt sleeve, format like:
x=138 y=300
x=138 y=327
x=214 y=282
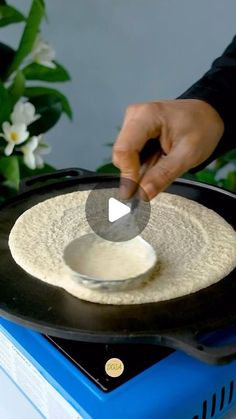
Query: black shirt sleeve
x=218 y=88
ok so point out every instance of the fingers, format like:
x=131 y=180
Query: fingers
x=182 y=127
x=137 y=129
x=128 y=163
x=165 y=171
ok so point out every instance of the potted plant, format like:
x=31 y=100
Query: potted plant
x=29 y=106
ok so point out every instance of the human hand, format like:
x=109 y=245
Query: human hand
x=188 y=131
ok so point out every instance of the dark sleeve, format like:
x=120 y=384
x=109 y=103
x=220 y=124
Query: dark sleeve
x=218 y=88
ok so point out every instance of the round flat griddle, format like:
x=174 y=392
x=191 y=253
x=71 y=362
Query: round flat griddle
x=51 y=310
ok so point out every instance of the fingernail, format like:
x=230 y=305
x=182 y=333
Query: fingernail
x=149 y=191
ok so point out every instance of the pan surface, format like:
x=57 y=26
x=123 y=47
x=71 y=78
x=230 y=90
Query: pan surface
x=53 y=311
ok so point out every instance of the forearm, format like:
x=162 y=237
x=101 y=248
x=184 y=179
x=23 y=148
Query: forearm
x=218 y=88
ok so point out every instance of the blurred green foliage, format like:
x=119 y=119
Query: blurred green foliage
x=20 y=79
x=221 y=172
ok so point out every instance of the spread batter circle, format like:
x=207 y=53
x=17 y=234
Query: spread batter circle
x=196 y=247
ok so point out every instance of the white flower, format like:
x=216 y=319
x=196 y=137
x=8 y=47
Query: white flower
x=13 y=134
x=33 y=151
x=43 y=53
x=24 y=113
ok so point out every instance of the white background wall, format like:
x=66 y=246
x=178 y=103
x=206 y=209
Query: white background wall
x=124 y=51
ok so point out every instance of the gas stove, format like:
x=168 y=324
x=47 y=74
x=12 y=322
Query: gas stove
x=70 y=379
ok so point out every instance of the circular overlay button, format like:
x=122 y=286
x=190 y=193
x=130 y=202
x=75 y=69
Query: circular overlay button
x=114 y=218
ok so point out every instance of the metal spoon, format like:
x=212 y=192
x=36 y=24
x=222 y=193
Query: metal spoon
x=79 y=249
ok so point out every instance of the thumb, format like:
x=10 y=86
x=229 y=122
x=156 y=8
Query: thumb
x=165 y=171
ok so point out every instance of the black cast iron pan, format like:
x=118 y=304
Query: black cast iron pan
x=178 y=323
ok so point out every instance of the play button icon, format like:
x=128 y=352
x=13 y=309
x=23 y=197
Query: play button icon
x=112 y=217
x=116 y=210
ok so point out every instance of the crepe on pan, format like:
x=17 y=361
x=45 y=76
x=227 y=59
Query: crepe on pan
x=196 y=247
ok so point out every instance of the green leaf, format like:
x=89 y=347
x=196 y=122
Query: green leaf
x=9 y=14
x=189 y=176
x=50 y=109
x=29 y=35
x=220 y=162
x=230 y=181
x=108 y=168
x=36 y=71
x=7 y=55
x=230 y=157
x=42 y=3
x=47 y=168
x=26 y=172
x=16 y=90
x=9 y=169
x=2 y=195
x=6 y=192
x=5 y=104
x=31 y=92
x=207 y=176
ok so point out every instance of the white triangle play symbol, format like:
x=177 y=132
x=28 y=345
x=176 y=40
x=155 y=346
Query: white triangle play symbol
x=116 y=210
